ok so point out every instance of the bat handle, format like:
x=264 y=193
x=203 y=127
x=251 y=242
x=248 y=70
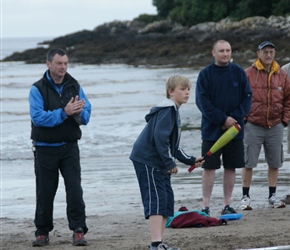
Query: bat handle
x=191 y=168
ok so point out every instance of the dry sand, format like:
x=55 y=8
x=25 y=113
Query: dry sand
x=262 y=228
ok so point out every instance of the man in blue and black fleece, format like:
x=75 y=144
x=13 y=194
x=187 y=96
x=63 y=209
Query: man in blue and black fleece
x=58 y=106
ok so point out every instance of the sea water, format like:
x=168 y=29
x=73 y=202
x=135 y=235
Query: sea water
x=121 y=96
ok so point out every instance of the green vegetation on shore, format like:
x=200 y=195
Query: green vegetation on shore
x=191 y=12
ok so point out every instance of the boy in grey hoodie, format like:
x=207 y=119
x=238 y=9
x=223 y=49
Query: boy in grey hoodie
x=153 y=155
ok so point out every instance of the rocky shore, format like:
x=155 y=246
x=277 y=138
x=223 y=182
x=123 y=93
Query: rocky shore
x=167 y=44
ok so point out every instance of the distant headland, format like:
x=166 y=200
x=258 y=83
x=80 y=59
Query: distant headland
x=167 y=44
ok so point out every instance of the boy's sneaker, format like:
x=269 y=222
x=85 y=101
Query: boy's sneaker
x=275 y=202
x=40 y=241
x=205 y=210
x=245 y=203
x=228 y=210
x=286 y=199
x=78 y=238
x=163 y=246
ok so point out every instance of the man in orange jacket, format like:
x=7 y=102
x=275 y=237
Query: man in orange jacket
x=269 y=115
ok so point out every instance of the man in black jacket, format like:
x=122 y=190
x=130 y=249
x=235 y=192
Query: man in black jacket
x=58 y=106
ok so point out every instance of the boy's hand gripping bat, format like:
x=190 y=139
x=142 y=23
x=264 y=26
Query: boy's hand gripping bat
x=221 y=142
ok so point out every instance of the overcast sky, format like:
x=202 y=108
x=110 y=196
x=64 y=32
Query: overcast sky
x=53 y=18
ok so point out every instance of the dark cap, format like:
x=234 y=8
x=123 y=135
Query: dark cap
x=265 y=44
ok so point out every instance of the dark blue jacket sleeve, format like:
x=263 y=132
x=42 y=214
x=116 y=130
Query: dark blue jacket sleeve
x=246 y=100
x=184 y=158
x=164 y=124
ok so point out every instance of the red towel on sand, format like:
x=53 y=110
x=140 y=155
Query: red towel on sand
x=194 y=219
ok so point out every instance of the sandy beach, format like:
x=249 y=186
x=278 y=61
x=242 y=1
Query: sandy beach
x=115 y=214
x=261 y=228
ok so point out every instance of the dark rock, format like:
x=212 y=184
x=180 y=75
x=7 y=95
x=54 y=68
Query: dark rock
x=167 y=44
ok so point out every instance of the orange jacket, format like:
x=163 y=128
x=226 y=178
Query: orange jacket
x=271 y=95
